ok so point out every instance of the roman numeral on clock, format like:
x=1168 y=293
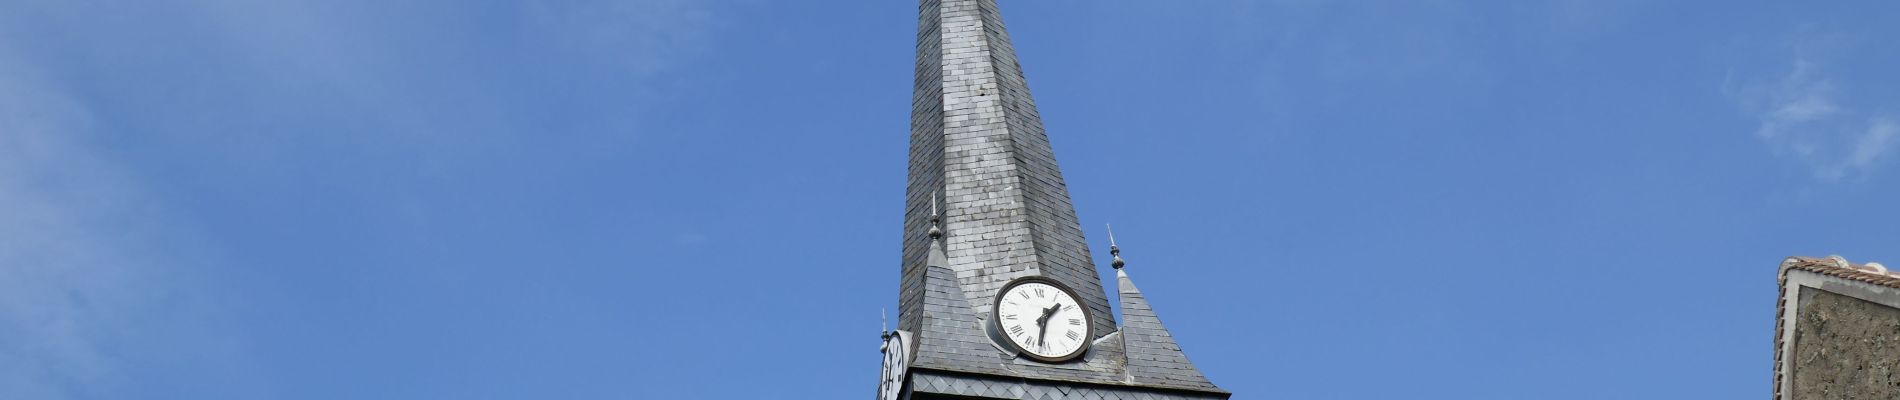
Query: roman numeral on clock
x=1016 y=330
x=1074 y=336
x=1075 y=321
x=1038 y=292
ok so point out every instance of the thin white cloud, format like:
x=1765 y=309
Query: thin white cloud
x=97 y=275
x=66 y=277
x=86 y=273
x=1803 y=116
x=1874 y=143
x=342 y=53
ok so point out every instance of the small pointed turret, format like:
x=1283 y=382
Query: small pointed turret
x=946 y=311
x=1153 y=356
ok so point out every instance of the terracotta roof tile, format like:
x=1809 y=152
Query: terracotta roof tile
x=1838 y=267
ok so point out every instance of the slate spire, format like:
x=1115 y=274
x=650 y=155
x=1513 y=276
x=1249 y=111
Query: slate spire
x=1153 y=356
x=952 y=335
x=977 y=139
x=985 y=205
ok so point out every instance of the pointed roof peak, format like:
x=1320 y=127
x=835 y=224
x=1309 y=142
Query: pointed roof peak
x=1153 y=356
x=977 y=139
x=951 y=335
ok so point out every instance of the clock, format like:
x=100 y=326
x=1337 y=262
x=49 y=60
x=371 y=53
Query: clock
x=1042 y=319
x=896 y=361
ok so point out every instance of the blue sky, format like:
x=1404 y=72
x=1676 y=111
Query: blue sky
x=701 y=199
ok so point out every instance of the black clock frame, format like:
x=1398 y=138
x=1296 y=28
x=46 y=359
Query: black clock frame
x=996 y=307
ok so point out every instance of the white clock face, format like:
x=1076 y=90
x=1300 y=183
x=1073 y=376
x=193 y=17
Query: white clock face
x=1042 y=320
x=896 y=361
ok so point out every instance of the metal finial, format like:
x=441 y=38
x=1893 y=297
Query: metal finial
x=1113 y=249
x=884 y=322
x=935 y=232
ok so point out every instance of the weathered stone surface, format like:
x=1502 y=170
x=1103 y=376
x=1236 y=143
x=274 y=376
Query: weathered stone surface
x=1845 y=348
x=1837 y=330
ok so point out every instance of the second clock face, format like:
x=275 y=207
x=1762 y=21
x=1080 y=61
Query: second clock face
x=1043 y=320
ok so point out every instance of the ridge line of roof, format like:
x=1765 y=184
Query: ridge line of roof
x=1839 y=268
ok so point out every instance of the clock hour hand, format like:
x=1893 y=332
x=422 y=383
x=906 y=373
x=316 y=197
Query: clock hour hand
x=1043 y=322
x=1046 y=313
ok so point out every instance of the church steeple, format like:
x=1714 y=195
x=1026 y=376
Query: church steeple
x=977 y=138
x=1153 y=356
x=986 y=209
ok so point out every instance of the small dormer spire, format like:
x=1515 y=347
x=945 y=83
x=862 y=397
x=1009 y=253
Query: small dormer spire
x=935 y=232
x=1153 y=355
x=1114 y=250
x=884 y=331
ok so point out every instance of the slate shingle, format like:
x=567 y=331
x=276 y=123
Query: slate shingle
x=978 y=150
x=978 y=144
x=949 y=337
x=1153 y=357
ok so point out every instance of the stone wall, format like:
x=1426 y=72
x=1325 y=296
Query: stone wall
x=1845 y=348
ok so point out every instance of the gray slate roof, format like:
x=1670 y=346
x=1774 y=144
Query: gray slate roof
x=1153 y=357
x=949 y=337
x=978 y=150
x=1009 y=388
x=952 y=337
